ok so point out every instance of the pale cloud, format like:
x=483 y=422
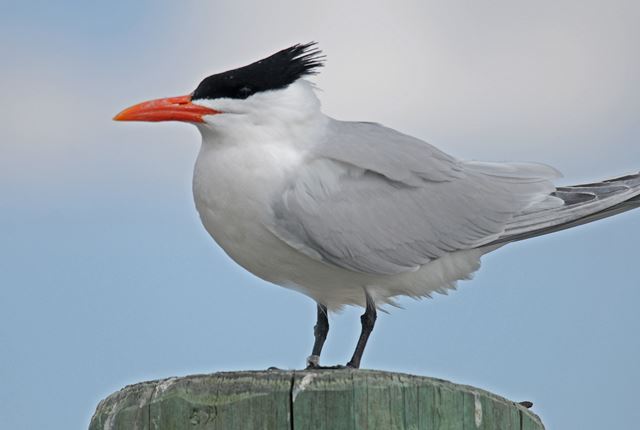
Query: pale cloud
x=497 y=80
x=547 y=81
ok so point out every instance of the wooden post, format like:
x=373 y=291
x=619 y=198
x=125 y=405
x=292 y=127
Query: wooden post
x=313 y=400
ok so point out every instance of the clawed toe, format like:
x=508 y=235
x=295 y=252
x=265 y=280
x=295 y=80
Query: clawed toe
x=318 y=367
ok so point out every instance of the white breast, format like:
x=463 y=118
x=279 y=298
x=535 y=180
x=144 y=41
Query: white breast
x=233 y=186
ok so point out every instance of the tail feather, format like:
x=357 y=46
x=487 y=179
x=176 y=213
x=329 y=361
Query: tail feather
x=577 y=205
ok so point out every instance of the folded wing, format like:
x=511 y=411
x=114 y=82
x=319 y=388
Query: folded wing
x=581 y=204
x=377 y=201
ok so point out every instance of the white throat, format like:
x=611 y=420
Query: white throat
x=247 y=158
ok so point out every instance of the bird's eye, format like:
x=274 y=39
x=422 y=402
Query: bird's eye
x=245 y=92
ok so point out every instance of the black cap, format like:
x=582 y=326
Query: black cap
x=272 y=73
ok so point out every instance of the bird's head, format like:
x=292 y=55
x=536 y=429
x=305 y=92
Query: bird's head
x=262 y=90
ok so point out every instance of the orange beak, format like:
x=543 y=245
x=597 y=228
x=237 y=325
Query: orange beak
x=168 y=109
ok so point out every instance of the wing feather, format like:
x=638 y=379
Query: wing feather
x=373 y=200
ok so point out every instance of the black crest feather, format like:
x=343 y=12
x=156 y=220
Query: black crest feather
x=274 y=72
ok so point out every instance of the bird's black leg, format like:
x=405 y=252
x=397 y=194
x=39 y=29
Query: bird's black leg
x=368 y=320
x=320 y=331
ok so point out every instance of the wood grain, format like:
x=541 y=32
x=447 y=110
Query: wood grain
x=311 y=400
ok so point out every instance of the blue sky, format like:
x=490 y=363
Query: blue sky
x=107 y=277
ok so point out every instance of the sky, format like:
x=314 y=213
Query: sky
x=107 y=277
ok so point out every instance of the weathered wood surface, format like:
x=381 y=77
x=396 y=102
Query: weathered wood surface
x=314 y=400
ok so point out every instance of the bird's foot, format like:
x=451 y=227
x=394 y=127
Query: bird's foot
x=313 y=363
x=353 y=364
x=318 y=367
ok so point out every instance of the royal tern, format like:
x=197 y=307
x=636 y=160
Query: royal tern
x=355 y=213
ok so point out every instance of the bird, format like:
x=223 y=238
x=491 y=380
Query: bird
x=355 y=213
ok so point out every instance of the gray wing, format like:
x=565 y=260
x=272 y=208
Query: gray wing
x=377 y=201
x=581 y=204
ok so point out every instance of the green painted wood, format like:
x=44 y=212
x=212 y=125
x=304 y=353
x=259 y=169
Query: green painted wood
x=312 y=400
